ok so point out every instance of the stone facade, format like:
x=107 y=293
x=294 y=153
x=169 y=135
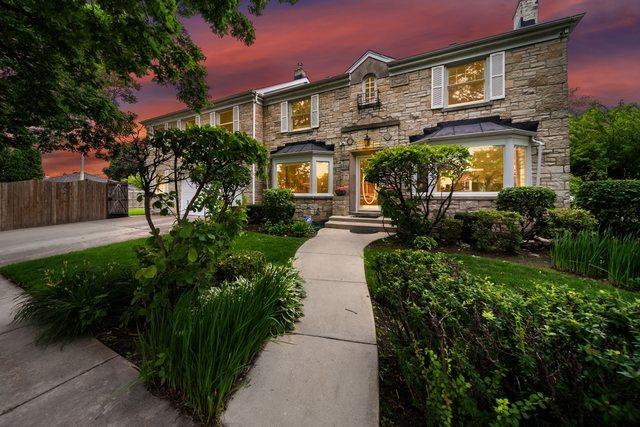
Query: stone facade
x=536 y=90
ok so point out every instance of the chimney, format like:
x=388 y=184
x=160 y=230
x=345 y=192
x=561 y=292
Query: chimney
x=526 y=13
x=299 y=73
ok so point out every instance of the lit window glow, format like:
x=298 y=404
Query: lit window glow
x=301 y=114
x=226 y=119
x=485 y=174
x=466 y=83
x=294 y=176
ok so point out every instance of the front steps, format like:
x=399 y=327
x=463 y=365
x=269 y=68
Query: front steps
x=360 y=223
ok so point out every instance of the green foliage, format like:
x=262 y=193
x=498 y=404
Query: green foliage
x=425 y=243
x=471 y=352
x=407 y=176
x=67 y=64
x=240 y=264
x=296 y=228
x=530 y=202
x=448 y=231
x=599 y=255
x=489 y=230
x=255 y=214
x=614 y=203
x=279 y=205
x=573 y=221
x=605 y=142
x=75 y=301
x=220 y=331
x=20 y=164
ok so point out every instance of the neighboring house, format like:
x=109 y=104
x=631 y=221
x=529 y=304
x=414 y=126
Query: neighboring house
x=75 y=176
x=505 y=97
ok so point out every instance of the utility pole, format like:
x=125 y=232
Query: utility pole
x=81 y=166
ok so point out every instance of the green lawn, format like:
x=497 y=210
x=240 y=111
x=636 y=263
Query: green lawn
x=276 y=249
x=136 y=211
x=511 y=274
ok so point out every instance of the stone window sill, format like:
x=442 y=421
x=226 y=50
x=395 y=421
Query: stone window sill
x=467 y=107
x=300 y=131
x=313 y=196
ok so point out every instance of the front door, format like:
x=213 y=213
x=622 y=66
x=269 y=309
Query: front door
x=367 y=192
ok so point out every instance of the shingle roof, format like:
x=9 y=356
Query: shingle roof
x=75 y=176
x=301 y=147
x=479 y=126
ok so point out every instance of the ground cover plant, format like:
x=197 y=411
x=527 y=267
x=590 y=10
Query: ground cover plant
x=599 y=255
x=468 y=351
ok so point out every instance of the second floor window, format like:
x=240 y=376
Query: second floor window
x=188 y=123
x=225 y=119
x=369 y=89
x=301 y=114
x=466 y=83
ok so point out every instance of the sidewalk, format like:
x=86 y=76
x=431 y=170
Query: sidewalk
x=325 y=373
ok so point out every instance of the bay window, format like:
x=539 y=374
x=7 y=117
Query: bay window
x=495 y=164
x=308 y=175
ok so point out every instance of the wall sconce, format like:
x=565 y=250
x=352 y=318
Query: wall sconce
x=367 y=140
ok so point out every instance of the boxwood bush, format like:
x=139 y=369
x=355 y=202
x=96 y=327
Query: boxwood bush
x=569 y=220
x=489 y=230
x=614 y=203
x=530 y=202
x=473 y=353
x=278 y=205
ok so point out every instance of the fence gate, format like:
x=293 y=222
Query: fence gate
x=117 y=199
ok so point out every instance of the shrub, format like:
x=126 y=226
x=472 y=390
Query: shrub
x=240 y=264
x=255 y=214
x=279 y=205
x=614 y=203
x=77 y=301
x=20 y=164
x=473 y=353
x=220 y=331
x=492 y=231
x=530 y=202
x=448 y=231
x=600 y=256
x=296 y=228
x=573 y=221
x=406 y=176
x=425 y=243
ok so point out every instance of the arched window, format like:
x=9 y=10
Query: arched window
x=369 y=94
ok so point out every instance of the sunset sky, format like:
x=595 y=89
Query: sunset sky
x=327 y=36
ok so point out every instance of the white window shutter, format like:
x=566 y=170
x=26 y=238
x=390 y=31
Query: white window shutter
x=197 y=119
x=496 y=81
x=236 y=118
x=284 y=116
x=315 y=111
x=437 y=87
x=212 y=118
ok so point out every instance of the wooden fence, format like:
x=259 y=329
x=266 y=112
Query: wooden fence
x=37 y=203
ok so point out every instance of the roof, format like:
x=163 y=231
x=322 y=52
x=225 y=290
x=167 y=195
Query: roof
x=365 y=56
x=303 y=147
x=75 y=176
x=477 y=127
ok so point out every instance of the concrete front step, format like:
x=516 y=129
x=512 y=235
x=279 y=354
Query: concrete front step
x=358 y=223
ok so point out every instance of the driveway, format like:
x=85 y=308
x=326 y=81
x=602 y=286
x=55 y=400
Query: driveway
x=40 y=242
x=83 y=382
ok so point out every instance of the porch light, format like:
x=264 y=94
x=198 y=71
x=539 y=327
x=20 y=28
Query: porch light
x=367 y=140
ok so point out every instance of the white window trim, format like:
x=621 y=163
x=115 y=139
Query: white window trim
x=508 y=176
x=487 y=77
x=313 y=158
x=364 y=88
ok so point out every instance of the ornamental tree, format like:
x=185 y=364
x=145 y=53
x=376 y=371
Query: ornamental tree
x=20 y=164
x=65 y=64
x=407 y=177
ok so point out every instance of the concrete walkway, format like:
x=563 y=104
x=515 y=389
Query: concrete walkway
x=326 y=372
x=83 y=382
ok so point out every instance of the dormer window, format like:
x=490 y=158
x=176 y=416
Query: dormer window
x=465 y=83
x=369 y=89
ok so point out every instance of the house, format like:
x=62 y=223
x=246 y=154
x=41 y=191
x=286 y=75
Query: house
x=504 y=96
x=77 y=176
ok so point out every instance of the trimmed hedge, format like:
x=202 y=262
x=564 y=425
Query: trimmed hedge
x=614 y=203
x=568 y=220
x=448 y=231
x=473 y=353
x=530 y=202
x=489 y=230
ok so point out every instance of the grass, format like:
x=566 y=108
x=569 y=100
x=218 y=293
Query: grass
x=136 y=211
x=276 y=249
x=510 y=274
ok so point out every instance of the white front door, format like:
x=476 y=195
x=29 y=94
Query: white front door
x=366 y=192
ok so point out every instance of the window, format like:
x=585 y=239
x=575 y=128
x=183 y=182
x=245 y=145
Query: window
x=226 y=119
x=158 y=128
x=301 y=114
x=369 y=89
x=172 y=125
x=188 y=122
x=466 y=83
x=304 y=175
x=495 y=164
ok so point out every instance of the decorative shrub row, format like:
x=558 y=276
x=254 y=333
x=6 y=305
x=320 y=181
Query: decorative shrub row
x=471 y=352
x=614 y=203
x=491 y=231
x=599 y=255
